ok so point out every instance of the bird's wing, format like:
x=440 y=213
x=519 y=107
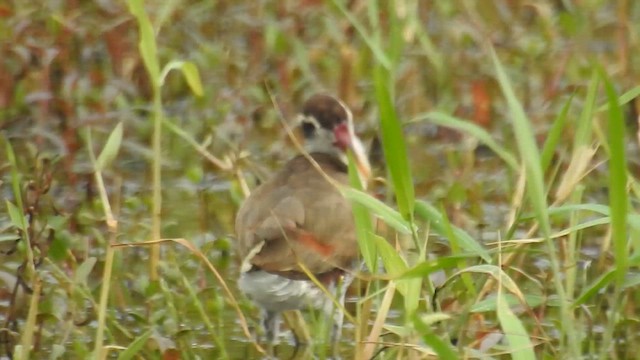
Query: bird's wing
x=286 y=223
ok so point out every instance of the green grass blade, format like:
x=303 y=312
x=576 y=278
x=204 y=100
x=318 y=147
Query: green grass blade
x=526 y=145
x=441 y=347
x=490 y=303
x=395 y=44
x=396 y=265
x=519 y=342
x=584 y=129
x=537 y=194
x=593 y=289
x=618 y=205
x=362 y=218
x=374 y=45
x=136 y=345
x=390 y=216
x=497 y=273
x=554 y=135
x=428 y=213
x=618 y=198
x=189 y=71
x=111 y=148
x=442 y=119
x=393 y=143
x=625 y=98
x=428 y=267
x=147 y=44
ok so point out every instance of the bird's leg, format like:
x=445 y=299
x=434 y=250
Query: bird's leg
x=338 y=316
x=270 y=324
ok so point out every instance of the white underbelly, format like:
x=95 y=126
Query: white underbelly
x=277 y=293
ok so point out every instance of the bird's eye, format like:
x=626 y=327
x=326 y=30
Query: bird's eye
x=308 y=128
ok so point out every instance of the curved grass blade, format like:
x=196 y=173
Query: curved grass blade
x=136 y=345
x=390 y=216
x=537 y=193
x=147 y=44
x=469 y=128
x=111 y=148
x=437 y=221
x=439 y=346
x=518 y=340
x=593 y=289
x=554 y=135
x=189 y=71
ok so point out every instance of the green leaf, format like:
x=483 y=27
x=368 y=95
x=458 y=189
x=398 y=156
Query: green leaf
x=554 y=135
x=390 y=216
x=473 y=130
x=529 y=152
x=565 y=209
x=497 y=273
x=9 y=237
x=437 y=221
x=396 y=265
x=631 y=281
x=618 y=197
x=57 y=351
x=623 y=99
x=189 y=71
x=391 y=259
x=434 y=318
x=192 y=75
x=362 y=219
x=58 y=250
x=442 y=348
x=83 y=271
x=519 y=342
x=393 y=144
x=490 y=303
x=136 y=345
x=595 y=287
x=111 y=148
x=425 y=268
x=147 y=44
x=16 y=215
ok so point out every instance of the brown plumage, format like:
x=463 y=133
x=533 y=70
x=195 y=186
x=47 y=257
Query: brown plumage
x=297 y=225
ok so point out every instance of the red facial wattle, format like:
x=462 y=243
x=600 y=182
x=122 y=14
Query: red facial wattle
x=343 y=139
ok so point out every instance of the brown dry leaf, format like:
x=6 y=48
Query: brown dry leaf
x=171 y=354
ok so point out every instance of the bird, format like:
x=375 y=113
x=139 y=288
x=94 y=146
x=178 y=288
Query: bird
x=298 y=222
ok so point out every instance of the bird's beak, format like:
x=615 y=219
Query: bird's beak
x=347 y=139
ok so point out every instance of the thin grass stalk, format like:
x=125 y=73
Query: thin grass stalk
x=205 y=317
x=30 y=275
x=573 y=246
x=30 y=270
x=554 y=136
x=242 y=321
x=112 y=227
x=104 y=300
x=618 y=203
x=378 y=324
x=530 y=155
x=26 y=342
x=457 y=249
x=156 y=222
x=148 y=52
